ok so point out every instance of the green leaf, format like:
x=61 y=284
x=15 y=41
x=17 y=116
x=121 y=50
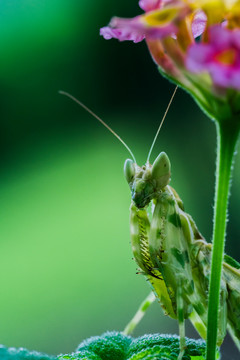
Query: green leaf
x=117 y=346
x=109 y=346
x=22 y=354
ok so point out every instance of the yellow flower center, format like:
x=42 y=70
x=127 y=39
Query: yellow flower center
x=226 y=57
x=161 y=17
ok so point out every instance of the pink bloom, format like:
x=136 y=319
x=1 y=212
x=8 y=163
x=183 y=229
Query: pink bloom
x=135 y=30
x=140 y=29
x=159 y=21
x=199 y=23
x=149 y=5
x=121 y=34
x=220 y=57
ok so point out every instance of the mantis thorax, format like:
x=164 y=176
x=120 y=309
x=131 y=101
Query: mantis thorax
x=147 y=182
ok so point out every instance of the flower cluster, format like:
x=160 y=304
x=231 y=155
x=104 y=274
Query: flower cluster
x=196 y=43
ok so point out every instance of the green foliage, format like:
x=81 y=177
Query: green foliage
x=117 y=346
x=111 y=345
x=22 y=354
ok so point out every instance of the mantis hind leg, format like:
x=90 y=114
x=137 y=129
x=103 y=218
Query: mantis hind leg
x=222 y=314
x=181 y=324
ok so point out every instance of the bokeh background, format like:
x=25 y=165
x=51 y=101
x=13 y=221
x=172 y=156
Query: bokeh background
x=65 y=259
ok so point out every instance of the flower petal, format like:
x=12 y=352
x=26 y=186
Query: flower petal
x=225 y=77
x=220 y=57
x=135 y=29
x=121 y=34
x=156 y=24
x=199 y=23
x=198 y=56
x=149 y=5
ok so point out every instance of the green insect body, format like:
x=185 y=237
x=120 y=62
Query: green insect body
x=171 y=252
x=173 y=255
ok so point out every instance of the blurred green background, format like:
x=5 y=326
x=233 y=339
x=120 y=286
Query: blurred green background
x=65 y=258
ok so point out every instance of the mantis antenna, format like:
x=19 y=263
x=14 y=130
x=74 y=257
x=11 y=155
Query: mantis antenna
x=99 y=119
x=159 y=128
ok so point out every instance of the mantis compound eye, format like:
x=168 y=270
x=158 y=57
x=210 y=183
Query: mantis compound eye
x=129 y=170
x=161 y=170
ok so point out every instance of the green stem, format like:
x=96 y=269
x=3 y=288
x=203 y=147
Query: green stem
x=227 y=135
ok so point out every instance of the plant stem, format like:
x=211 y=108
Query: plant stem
x=227 y=135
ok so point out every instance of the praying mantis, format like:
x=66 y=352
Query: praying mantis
x=171 y=252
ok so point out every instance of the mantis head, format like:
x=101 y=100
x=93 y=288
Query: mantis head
x=147 y=181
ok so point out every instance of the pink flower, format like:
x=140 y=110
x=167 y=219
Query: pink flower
x=121 y=34
x=220 y=57
x=149 y=5
x=195 y=43
x=159 y=21
x=199 y=23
